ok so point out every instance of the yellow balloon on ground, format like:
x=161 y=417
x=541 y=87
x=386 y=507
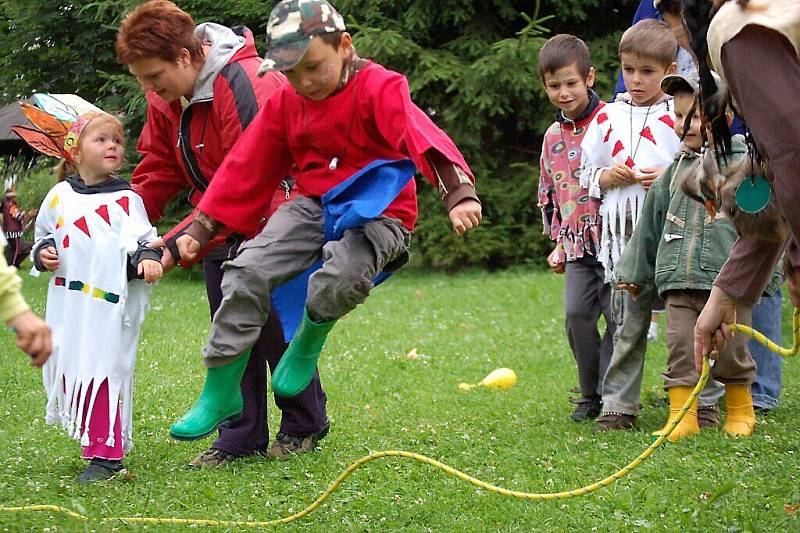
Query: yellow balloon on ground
x=502 y=378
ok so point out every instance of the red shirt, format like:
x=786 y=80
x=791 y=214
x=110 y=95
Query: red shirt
x=372 y=118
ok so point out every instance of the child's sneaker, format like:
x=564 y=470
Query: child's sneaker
x=212 y=457
x=100 y=470
x=614 y=422
x=652 y=332
x=285 y=446
x=708 y=416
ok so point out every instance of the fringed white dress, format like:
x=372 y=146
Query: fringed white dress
x=94 y=311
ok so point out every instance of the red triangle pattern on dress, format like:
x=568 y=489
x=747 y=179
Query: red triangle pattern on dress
x=123 y=202
x=608 y=134
x=602 y=117
x=666 y=119
x=83 y=226
x=617 y=148
x=103 y=212
x=65 y=242
x=629 y=162
x=648 y=134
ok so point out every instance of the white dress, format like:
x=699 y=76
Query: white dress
x=94 y=311
x=638 y=136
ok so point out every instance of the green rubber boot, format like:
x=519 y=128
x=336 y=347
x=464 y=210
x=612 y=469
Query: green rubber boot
x=296 y=368
x=220 y=401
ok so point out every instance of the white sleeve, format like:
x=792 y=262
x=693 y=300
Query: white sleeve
x=594 y=159
x=46 y=220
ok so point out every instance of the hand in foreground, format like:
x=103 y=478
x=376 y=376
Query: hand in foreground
x=648 y=176
x=49 y=258
x=554 y=261
x=33 y=337
x=617 y=176
x=712 y=330
x=630 y=287
x=465 y=216
x=151 y=269
x=167 y=261
x=189 y=247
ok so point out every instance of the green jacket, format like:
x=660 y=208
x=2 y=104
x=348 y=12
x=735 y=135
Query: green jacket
x=676 y=244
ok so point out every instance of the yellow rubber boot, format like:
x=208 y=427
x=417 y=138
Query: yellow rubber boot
x=741 y=418
x=688 y=424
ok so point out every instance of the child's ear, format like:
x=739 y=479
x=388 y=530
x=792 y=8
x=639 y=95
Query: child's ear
x=346 y=44
x=590 y=78
x=672 y=68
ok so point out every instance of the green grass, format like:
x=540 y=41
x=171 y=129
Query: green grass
x=465 y=326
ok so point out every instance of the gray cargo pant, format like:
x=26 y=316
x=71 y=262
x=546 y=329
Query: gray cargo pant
x=622 y=383
x=292 y=241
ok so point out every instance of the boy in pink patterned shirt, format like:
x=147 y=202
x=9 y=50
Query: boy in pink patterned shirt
x=570 y=215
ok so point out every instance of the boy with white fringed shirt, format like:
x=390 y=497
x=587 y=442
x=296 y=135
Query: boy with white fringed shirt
x=626 y=147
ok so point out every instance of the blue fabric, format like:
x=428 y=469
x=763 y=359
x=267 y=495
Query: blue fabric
x=769 y=372
x=351 y=204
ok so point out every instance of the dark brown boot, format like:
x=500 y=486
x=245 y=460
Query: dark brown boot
x=708 y=416
x=614 y=421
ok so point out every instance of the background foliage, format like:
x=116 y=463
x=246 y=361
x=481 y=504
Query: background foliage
x=471 y=65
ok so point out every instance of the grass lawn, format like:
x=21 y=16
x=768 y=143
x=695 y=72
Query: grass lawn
x=464 y=326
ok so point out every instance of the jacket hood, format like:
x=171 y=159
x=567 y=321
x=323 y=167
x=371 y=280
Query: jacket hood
x=225 y=44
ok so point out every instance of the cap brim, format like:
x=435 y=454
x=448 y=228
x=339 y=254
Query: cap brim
x=674 y=83
x=284 y=57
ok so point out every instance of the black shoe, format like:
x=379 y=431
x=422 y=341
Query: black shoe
x=586 y=410
x=100 y=470
x=286 y=445
x=212 y=457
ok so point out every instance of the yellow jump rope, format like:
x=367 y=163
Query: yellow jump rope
x=759 y=337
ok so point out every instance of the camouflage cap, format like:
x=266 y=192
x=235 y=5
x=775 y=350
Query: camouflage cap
x=291 y=26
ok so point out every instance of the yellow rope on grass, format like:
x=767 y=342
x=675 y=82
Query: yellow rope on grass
x=563 y=495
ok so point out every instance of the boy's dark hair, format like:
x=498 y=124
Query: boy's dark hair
x=561 y=51
x=333 y=39
x=672 y=7
x=650 y=39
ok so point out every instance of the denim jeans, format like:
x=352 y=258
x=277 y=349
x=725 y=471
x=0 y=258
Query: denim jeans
x=767 y=319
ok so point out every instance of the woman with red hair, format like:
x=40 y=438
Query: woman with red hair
x=202 y=92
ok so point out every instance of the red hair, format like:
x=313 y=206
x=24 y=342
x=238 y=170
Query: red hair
x=157 y=29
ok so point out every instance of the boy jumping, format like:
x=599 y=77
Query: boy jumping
x=334 y=128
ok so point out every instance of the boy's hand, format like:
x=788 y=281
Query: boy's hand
x=617 y=176
x=167 y=261
x=49 y=258
x=33 y=337
x=464 y=216
x=554 y=261
x=648 y=176
x=630 y=287
x=151 y=269
x=189 y=247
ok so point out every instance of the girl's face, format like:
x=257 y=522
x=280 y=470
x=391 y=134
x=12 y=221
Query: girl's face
x=683 y=106
x=317 y=74
x=100 y=151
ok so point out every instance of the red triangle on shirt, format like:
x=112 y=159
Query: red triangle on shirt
x=648 y=134
x=602 y=117
x=666 y=119
x=617 y=148
x=65 y=242
x=103 y=212
x=629 y=162
x=81 y=223
x=608 y=134
x=123 y=202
